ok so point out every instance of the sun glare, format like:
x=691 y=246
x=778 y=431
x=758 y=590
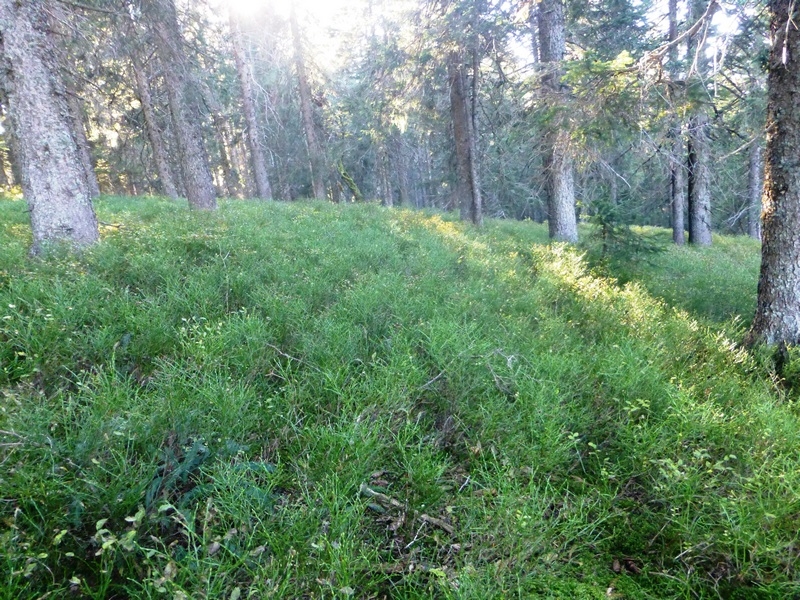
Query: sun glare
x=247 y=8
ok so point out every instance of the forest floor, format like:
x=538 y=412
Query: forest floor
x=308 y=400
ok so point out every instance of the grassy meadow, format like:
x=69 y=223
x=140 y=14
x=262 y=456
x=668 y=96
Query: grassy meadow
x=316 y=401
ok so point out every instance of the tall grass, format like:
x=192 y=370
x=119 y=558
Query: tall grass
x=313 y=401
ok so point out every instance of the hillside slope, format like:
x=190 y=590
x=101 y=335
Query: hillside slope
x=308 y=400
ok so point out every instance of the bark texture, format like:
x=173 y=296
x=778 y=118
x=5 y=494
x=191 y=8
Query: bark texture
x=183 y=103
x=676 y=168
x=60 y=29
x=254 y=145
x=316 y=163
x=154 y=133
x=558 y=165
x=467 y=188
x=677 y=187
x=755 y=184
x=777 y=318
x=699 y=147
x=699 y=187
x=84 y=148
x=52 y=175
x=4 y=179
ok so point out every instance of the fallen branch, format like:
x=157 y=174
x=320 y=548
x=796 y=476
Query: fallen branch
x=388 y=502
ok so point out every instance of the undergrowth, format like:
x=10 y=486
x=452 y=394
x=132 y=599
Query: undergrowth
x=316 y=401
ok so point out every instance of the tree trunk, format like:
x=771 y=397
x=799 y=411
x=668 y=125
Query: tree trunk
x=676 y=168
x=403 y=167
x=386 y=187
x=153 y=133
x=229 y=186
x=476 y=213
x=84 y=149
x=4 y=179
x=677 y=186
x=699 y=147
x=316 y=163
x=777 y=318
x=699 y=181
x=533 y=18
x=183 y=104
x=755 y=181
x=53 y=179
x=558 y=170
x=16 y=172
x=59 y=29
x=465 y=185
x=257 y=156
x=241 y=159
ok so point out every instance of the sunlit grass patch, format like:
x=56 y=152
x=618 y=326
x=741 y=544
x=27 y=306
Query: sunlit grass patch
x=322 y=401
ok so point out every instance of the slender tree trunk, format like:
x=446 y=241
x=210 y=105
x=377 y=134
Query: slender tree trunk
x=677 y=186
x=476 y=212
x=386 y=187
x=53 y=179
x=699 y=147
x=403 y=168
x=16 y=171
x=316 y=163
x=558 y=166
x=533 y=20
x=241 y=159
x=699 y=187
x=777 y=318
x=677 y=190
x=755 y=184
x=153 y=132
x=183 y=103
x=229 y=185
x=84 y=148
x=254 y=143
x=4 y=179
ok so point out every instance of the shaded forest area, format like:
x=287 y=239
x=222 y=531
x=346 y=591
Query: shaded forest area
x=641 y=112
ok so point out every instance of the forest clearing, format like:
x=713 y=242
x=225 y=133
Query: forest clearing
x=399 y=299
x=307 y=400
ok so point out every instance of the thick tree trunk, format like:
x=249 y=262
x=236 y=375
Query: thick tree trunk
x=558 y=167
x=53 y=179
x=183 y=104
x=699 y=188
x=316 y=163
x=254 y=144
x=154 y=133
x=59 y=28
x=755 y=184
x=466 y=188
x=777 y=318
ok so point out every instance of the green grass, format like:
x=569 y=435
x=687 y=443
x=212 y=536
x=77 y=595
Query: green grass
x=191 y=408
